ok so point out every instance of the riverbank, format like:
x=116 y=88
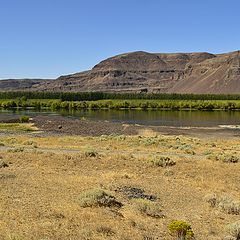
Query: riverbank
x=62 y=126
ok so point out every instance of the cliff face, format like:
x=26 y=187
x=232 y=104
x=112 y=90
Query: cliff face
x=220 y=74
x=155 y=72
x=20 y=84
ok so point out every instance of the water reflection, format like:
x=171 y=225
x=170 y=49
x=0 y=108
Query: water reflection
x=148 y=117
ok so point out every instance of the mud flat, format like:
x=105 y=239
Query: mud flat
x=61 y=125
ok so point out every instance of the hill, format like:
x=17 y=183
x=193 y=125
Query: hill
x=150 y=72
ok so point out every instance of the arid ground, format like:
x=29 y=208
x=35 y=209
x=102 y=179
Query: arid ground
x=154 y=177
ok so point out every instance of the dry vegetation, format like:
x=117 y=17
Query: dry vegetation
x=116 y=187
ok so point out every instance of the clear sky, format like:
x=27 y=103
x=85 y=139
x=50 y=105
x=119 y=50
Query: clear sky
x=48 y=38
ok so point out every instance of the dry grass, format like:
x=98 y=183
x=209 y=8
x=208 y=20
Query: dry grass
x=17 y=127
x=40 y=188
x=148 y=208
x=224 y=203
x=234 y=230
x=98 y=198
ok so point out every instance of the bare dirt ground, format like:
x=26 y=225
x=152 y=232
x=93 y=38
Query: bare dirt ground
x=46 y=172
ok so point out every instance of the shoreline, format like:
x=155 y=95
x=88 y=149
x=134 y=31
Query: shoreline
x=60 y=125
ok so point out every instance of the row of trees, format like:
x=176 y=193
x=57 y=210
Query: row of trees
x=124 y=104
x=92 y=96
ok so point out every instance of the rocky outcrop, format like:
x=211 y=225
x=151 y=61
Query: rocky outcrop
x=155 y=72
x=20 y=84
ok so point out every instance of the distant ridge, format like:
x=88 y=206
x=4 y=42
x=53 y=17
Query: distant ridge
x=199 y=72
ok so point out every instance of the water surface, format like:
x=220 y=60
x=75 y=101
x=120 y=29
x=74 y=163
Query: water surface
x=148 y=117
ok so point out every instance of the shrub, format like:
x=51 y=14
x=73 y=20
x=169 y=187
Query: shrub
x=30 y=143
x=224 y=203
x=230 y=159
x=24 y=119
x=213 y=156
x=234 y=230
x=3 y=164
x=98 y=198
x=149 y=208
x=160 y=161
x=211 y=199
x=105 y=231
x=149 y=141
x=190 y=151
x=181 y=230
x=227 y=158
x=15 y=150
x=229 y=205
x=91 y=153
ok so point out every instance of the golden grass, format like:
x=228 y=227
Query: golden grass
x=39 y=193
x=17 y=127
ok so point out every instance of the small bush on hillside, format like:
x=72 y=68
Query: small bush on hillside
x=234 y=230
x=181 y=230
x=229 y=205
x=211 y=199
x=208 y=152
x=3 y=164
x=149 y=208
x=227 y=158
x=24 y=119
x=30 y=143
x=190 y=151
x=98 y=198
x=160 y=161
x=15 y=150
x=224 y=203
x=105 y=231
x=149 y=141
x=230 y=159
x=91 y=153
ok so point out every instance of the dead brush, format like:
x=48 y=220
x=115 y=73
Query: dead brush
x=160 y=161
x=148 y=208
x=224 y=203
x=98 y=198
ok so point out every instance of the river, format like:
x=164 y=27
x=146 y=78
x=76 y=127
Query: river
x=148 y=117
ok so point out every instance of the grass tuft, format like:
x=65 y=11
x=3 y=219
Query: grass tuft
x=159 y=161
x=224 y=203
x=98 y=198
x=234 y=230
x=148 y=208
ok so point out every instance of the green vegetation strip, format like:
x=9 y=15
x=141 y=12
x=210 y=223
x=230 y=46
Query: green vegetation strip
x=92 y=96
x=16 y=127
x=122 y=104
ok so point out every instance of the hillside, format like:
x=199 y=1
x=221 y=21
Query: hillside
x=17 y=84
x=152 y=72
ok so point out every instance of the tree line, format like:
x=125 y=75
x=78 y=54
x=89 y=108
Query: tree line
x=92 y=96
x=144 y=104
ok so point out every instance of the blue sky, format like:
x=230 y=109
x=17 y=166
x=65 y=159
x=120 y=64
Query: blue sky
x=48 y=38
